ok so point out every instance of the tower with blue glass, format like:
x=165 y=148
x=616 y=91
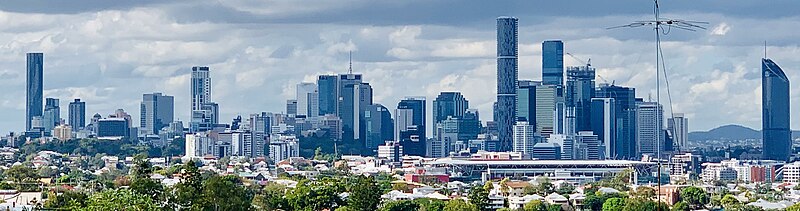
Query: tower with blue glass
x=553 y=62
x=777 y=137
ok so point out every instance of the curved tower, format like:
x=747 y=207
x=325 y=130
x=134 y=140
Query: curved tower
x=777 y=137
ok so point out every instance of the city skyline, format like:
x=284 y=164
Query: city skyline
x=389 y=70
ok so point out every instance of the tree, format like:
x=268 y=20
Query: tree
x=70 y=200
x=565 y=189
x=226 y=193
x=695 y=197
x=479 y=196
x=795 y=207
x=680 y=206
x=428 y=204
x=638 y=204
x=120 y=199
x=190 y=189
x=20 y=173
x=614 y=204
x=315 y=195
x=403 y=205
x=595 y=201
x=459 y=205
x=644 y=192
x=729 y=201
x=535 y=205
x=364 y=194
x=271 y=198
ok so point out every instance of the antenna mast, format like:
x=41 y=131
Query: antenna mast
x=662 y=26
x=350 y=69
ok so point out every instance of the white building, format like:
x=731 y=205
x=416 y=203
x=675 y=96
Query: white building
x=791 y=172
x=718 y=171
x=524 y=138
x=679 y=126
x=391 y=151
x=198 y=144
x=649 y=128
x=307 y=99
x=283 y=147
x=62 y=132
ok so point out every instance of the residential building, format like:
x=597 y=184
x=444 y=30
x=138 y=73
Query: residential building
x=507 y=54
x=524 y=138
x=283 y=147
x=34 y=91
x=62 y=132
x=204 y=113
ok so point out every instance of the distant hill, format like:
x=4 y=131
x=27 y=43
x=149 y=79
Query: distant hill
x=730 y=132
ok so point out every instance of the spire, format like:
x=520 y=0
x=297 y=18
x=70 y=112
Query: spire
x=765 y=49
x=350 y=69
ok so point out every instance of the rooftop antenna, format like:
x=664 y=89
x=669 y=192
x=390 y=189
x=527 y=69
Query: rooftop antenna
x=663 y=26
x=350 y=69
x=765 y=49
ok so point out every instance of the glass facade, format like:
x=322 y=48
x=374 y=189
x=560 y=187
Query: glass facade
x=449 y=104
x=77 y=114
x=326 y=87
x=625 y=112
x=507 y=54
x=579 y=94
x=411 y=125
x=777 y=137
x=34 y=98
x=553 y=62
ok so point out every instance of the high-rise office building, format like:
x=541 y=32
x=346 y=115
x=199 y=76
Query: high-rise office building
x=650 y=128
x=454 y=133
x=777 y=136
x=33 y=105
x=343 y=82
x=603 y=123
x=307 y=100
x=579 y=94
x=553 y=62
x=587 y=146
x=507 y=54
x=449 y=104
x=291 y=107
x=678 y=125
x=526 y=101
x=205 y=113
x=546 y=151
x=625 y=112
x=410 y=125
x=379 y=126
x=156 y=111
x=355 y=99
x=52 y=114
x=327 y=94
x=77 y=114
x=524 y=138
x=550 y=113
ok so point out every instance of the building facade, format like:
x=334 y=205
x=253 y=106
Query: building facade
x=34 y=91
x=777 y=137
x=553 y=62
x=507 y=55
x=678 y=125
x=156 y=111
x=77 y=114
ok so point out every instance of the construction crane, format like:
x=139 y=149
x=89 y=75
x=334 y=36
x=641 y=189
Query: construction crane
x=588 y=65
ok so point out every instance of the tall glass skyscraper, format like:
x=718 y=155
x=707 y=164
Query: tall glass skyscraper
x=77 y=114
x=379 y=126
x=625 y=112
x=777 y=137
x=52 y=114
x=326 y=87
x=526 y=101
x=156 y=112
x=579 y=94
x=507 y=55
x=449 y=104
x=33 y=104
x=553 y=62
x=204 y=111
x=410 y=125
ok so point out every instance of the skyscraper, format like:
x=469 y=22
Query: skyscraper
x=77 y=114
x=553 y=62
x=603 y=123
x=307 y=99
x=549 y=110
x=524 y=138
x=344 y=80
x=327 y=94
x=507 y=54
x=291 y=107
x=526 y=101
x=33 y=105
x=448 y=104
x=650 y=128
x=52 y=114
x=379 y=126
x=410 y=125
x=205 y=113
x=679 y=127
x=156 y=112
x=579 y=94
x=625 y=112
x=777 y=137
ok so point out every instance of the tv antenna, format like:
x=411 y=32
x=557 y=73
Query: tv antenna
x=663 y=26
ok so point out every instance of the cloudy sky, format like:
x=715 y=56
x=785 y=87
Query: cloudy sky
x=110 y=52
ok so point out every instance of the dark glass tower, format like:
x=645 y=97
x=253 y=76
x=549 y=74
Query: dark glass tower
x=506 y=80
x=580 y=91
x=33 y=104
x=410 y=123
x=379 y=126
x=625 y=114
x=526 y=101
x=77 y=114
x=449 y=104
x=553 y=62
x=777 y=138
x=326 y=86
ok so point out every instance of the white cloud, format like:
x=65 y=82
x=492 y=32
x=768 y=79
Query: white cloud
x=721 y=29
